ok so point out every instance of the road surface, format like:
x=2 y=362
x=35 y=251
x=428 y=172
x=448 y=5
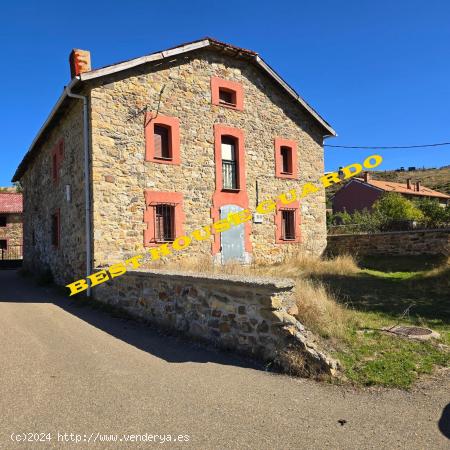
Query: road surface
x=84 y=374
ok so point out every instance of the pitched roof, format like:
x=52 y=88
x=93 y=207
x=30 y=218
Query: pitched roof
x=229 y=49
x=402 y=188
x=10 y=202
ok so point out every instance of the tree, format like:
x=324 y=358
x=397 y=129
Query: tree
x=434 y=213
x=392 y=206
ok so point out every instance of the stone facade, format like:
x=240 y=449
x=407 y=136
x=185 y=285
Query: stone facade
x=251 y=315
x=425 y=242
x=13 y=231
x=42 y=197
x=120 y=173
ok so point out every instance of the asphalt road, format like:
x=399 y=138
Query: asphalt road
x=71 y=369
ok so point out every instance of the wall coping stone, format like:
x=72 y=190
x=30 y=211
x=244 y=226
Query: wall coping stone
x=239 y=280
x=434 y=230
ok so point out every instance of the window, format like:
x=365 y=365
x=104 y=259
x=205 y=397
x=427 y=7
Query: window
x=229 y=94
x=164 y=217
x=288 y=224
x=164 y=223
x=285 y=158
x=3 y=244
x=3 y=221
x=55 y=229
x=57 y=158
x=162 y=139
x=229 y=164
x=227 y=97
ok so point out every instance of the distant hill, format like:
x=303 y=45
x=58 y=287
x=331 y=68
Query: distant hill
x=437 y=179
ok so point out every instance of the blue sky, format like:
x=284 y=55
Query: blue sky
x=379 y=72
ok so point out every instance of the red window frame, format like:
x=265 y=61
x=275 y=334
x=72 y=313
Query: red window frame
x=279 y=144
x=152 y=200
x=55 y=233
x=57 y=156
x=295 y=207
x=234 y=87
x=237 y=134
x=173 y=126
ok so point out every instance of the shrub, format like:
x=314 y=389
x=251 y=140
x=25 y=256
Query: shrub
x=392 y=206
x=434 y=214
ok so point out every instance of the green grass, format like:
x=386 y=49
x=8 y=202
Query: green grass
x=380 y=298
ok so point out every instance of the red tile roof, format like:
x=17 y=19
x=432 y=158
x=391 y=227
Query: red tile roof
x=10 y=202
x=402 y=188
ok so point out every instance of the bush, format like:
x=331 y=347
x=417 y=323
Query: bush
x=435 y=215
x=393 y=206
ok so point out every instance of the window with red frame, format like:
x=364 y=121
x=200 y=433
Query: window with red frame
x=164 y=215
x=162 y=139
x=286 y=160
x=162 y=142
x=57 y=157
x=229 y=163
x=227 y=93
x=227 y=97
x=288 y=224
x=55 y=229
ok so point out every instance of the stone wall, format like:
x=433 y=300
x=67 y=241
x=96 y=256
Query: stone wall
x=250 y=315
x=42 y=197
x=120 y=174
x=431 y=242
x=13 y=232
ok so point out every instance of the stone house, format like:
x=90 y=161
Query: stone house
x=362 y=193
x=11 y=225
x=136 y=153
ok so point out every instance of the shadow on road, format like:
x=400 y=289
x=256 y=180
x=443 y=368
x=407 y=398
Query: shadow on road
x=171 y=348
x=444 y=422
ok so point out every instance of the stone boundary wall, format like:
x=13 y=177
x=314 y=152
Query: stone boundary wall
x=253 y=316
x=429 y=242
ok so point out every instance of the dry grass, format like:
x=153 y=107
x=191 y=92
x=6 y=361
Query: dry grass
x=318 y=310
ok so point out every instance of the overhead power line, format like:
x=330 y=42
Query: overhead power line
x=388 y=146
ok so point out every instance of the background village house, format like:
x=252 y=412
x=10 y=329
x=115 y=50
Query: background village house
x=173 y=141
x=362 y=193
x=11 y=226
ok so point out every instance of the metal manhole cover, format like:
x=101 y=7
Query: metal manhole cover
x=413 y=332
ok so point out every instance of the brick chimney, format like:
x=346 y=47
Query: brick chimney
x=418 y=186
x=408 y=183
x=80 y=62
x=366 y=177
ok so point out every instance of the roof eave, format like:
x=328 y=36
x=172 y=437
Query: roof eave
x=21 y=169
x=202 y=44
x=93 y=74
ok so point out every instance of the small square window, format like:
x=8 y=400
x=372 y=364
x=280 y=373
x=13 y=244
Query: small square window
x=164 y=215
x=227 y=93
x=3 y=221
x=55 y=229
x=227 y=97
x=288 y=225
x=3 y=244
